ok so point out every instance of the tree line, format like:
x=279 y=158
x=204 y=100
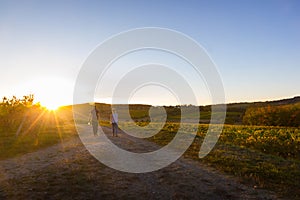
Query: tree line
x=20 y=115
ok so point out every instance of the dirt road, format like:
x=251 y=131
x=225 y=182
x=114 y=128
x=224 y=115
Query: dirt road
x=68 y=171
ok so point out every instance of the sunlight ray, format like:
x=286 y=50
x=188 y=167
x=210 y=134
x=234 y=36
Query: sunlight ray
x=34 y=122
x=21 y=125
x=41 y=128
x=58 y=130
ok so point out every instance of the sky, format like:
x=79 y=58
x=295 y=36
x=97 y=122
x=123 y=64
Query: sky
x=255 y=45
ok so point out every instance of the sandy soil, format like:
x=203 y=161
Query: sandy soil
x=68 y=171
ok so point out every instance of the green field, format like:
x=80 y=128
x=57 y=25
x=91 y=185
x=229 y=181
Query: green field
x=266 y=157
x=262 y=156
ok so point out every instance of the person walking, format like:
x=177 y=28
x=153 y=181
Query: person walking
x=94 y=117
x=114 y=122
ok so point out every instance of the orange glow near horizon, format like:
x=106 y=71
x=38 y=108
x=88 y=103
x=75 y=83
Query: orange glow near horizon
x=51 y=92
x=52 y=107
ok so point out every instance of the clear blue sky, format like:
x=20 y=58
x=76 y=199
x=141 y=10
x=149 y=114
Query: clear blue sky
x=255 y=44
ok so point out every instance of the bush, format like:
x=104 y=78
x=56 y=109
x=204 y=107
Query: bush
x=286 y=115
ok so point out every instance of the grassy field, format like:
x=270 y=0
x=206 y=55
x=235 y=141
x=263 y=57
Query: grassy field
x=266 y=157
x=262 y=156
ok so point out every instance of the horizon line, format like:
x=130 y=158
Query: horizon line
x=228 y=103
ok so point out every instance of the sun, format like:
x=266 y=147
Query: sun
x=51 y=106
x=51 y=92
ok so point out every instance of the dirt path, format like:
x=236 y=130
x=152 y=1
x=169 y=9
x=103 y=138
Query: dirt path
x=68 y=171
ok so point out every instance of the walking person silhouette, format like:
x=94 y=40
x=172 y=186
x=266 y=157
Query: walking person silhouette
x=94 y=117
x=114 y=122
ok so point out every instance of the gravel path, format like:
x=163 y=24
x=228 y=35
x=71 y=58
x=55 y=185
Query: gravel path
x=68 y=171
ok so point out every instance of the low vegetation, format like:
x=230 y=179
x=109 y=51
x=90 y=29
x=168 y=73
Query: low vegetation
x=284 y=115
x=266 y=157
x=27 y=127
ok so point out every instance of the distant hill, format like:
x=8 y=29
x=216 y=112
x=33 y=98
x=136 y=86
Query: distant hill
x=284 y=101
x=140 y=113
x=236 y=111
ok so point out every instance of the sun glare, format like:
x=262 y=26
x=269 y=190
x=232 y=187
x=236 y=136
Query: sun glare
x=51 y=92
x=51 y=107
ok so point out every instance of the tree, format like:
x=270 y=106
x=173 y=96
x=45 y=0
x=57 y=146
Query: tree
x=14 y=110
